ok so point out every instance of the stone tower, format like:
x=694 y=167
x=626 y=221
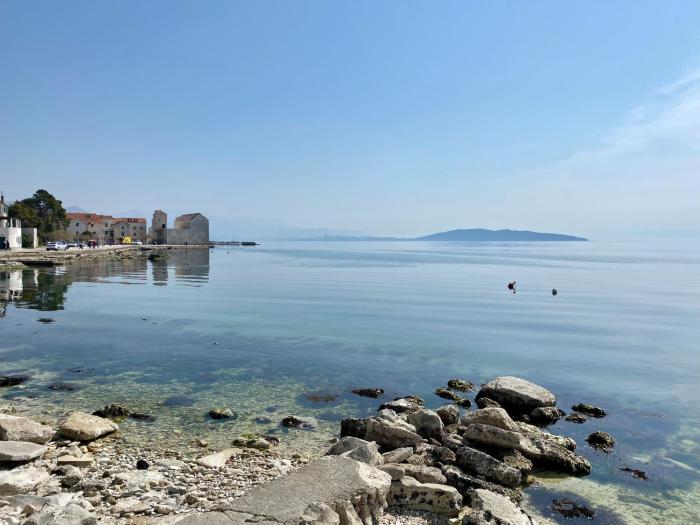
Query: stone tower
x=159 y=227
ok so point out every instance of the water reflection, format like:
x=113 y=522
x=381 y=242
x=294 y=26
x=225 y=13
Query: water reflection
x=45 y=289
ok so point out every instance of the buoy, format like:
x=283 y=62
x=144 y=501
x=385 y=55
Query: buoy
x=554 y=291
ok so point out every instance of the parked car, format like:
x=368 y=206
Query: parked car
x=56 y=245
x=137 y=242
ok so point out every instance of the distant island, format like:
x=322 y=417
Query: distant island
x=473 y=234
x=481 y=234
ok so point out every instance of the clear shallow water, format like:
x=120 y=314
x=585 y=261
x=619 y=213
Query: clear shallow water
x=259 y=329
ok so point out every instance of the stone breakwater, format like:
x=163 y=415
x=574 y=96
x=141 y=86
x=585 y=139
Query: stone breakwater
x=42 y=258
x=453 y=466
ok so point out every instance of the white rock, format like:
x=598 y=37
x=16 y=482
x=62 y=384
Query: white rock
x=20 y=451
x=85 y=427
x=219 y=459
x=489 y=508
x=21 y=480
x=440 y=499
x=16 y=428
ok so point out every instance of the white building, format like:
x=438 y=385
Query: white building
x=10 y=229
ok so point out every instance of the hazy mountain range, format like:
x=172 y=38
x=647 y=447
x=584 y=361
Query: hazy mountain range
x=473 y=234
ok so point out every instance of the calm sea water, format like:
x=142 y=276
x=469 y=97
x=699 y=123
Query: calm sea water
x=262 y=330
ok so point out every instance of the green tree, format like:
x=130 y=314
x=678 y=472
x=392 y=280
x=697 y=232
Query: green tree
x=42 y=211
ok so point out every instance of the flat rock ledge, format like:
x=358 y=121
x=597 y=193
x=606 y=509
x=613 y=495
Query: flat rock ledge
x=333 y=490
x=85 y=427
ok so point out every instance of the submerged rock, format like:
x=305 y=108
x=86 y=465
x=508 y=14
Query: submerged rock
x=516 y=394
x=63 y=387
x=601 y=441
x=220 y=413
x=16 y=428
x=460 y=384
x=84 y=427
x=490 y=508
x=12 y=380
x=568 y=508
x=447 y=394
x=576 y=418
x=305 y=423
x=368 y=392
x=113 y=411
x=639 y=474
x=589 y=410
x=546 y=415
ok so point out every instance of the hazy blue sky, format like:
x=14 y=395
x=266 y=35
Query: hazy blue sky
x=385 y=117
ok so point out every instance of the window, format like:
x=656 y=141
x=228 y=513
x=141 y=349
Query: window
x=77 y=225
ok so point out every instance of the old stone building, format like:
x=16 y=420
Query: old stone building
x=86 y=226
x=190 y=229
x=134 y=227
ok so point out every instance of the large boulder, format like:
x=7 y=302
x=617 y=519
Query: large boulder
x=428 y=423
x=358 y=449
x=546 y=415
x=479 y=463
x=72 y=514
x=84 y=427
x=499 y=438
x=332 y=490
x=432 y=497
x=517 y=395
x=489 y=508
x=21 y=480
x=16 y=428
x=391 y=432
x=18 y=451
x=492 y=416
x=554 y=452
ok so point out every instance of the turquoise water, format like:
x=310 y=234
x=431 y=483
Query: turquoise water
x=260 y=329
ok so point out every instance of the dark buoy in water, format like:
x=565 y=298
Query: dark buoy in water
x=554 y=291
x=511 y=286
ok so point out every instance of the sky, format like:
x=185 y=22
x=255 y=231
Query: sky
x=387 y=118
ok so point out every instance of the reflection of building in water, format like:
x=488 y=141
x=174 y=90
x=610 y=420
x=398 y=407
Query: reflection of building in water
x=12 y=285
x=190 y=264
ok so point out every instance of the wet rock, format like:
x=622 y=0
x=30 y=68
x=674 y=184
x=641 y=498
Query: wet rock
x=142 y=464
x=403 y=404
x=7 y=409
x=492 y=416
x=516 y=394
x=639 y=474
x=461 y=385
x=466 y=483
x=428 y=423
x=447 y=394
x=113 y=411
x=355 y=427
x=576 y=418
x=20 y=451
x=487 y=402
x=601 y=441
x=21 y=480
x=358 y=449
x=568 y=508
x=431 y=497
x=449 y=414
x=489 y=508
x=221 y=413
x=142 y=417
x=6 y=381
x=84 y=427
x=16 y=428
x=368 y=392
x=589 y=410
x=71 y=514
x=463 y=402
x=481 y=464
x=390 y=432
x=398 y=455
x=305 y=423
x=546 y=415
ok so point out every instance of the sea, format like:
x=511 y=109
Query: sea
x=290 y=328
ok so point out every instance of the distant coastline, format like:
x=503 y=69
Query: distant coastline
x=472 y=234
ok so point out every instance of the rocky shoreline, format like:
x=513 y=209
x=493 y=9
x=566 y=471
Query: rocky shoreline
x=445 y=465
